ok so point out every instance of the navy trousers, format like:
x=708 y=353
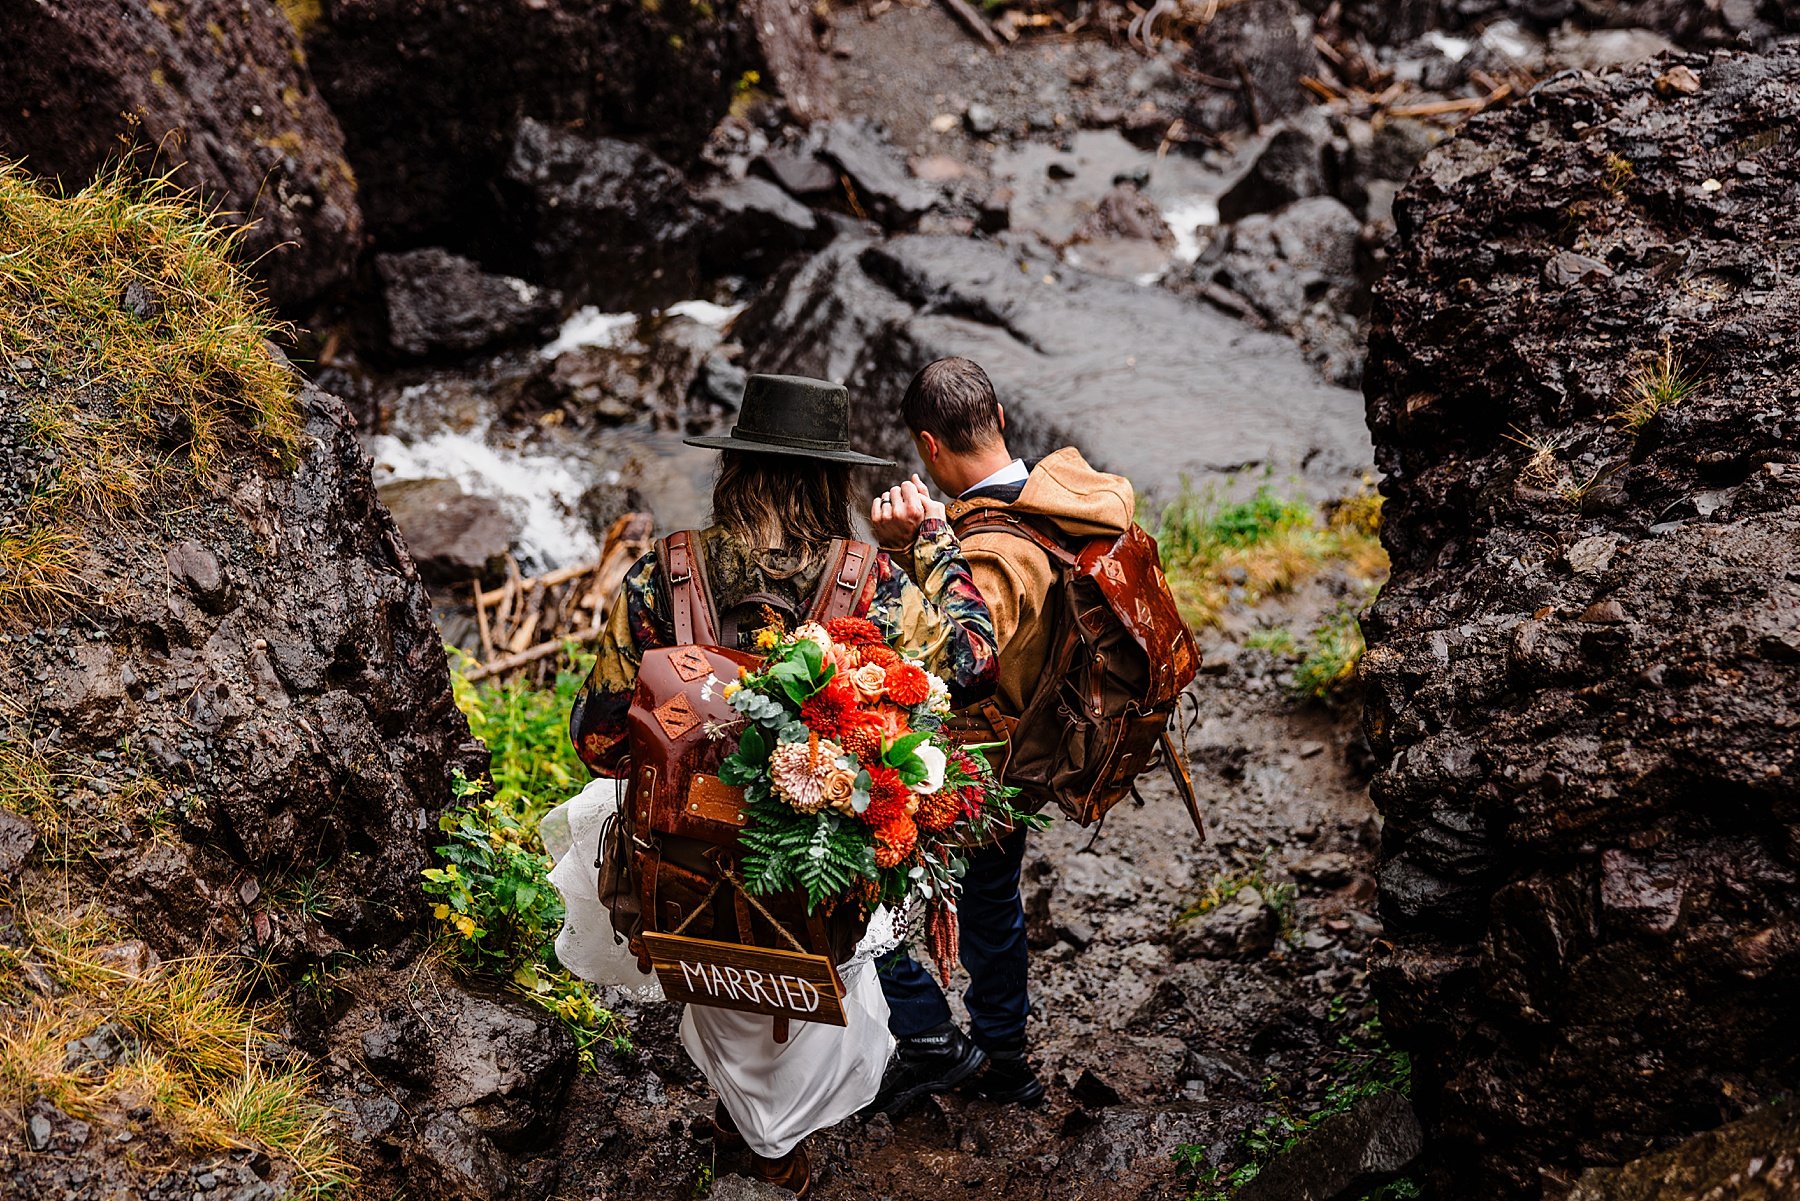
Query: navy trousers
x=991 y=924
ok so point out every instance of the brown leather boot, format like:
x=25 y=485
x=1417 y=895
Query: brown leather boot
x=726 y=1139
x=792 y=1171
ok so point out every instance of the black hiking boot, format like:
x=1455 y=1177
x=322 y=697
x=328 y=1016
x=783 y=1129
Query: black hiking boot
x=1010 y=1078
x=934 y=1062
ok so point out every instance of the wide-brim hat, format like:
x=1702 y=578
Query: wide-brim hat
x=793 y=415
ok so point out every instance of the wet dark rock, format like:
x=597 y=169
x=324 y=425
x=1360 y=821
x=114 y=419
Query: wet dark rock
x=1345 y=1157
x=1251 y=61
x=1071 y=355
x=1566 y=268
x=197 y=569
x=755 y=225
x=1751 y=1159
x=1093 y=1092
x=452 y=536
x=1127 y=214
x=432 y=97
x=307 y=725
x=220 y=95
x=49 y=1129
x=610 y=220
x=877 y=171
x=799 y=170
x=1291 y=166
x=1583 y=704
x=18 y=838
x=1241 y=928
x=456 y=1160
x=1302 y=271
x=441 y=303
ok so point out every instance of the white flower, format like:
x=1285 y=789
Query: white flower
x=815 y=633
x=935 y=761
x=939 y=700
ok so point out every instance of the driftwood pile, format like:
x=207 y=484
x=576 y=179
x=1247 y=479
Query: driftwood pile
x=526 y=621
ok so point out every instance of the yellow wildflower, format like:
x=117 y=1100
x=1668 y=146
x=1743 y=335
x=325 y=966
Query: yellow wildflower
x=465 y=924
x=766 y=638
x=733 y=688
x=441 y=912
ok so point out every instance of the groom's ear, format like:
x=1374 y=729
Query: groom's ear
x=928 y=445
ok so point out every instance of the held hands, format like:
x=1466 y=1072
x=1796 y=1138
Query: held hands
x=897 y=514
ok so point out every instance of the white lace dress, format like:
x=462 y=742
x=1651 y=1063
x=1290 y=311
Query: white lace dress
x=777 y=1093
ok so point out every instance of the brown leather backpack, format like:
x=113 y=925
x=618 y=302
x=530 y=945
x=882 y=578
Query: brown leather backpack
x=1119 y=658
x=675 y=839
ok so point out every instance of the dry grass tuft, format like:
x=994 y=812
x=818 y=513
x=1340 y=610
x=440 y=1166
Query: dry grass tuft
x=1660 y=382
x=133 y=351
x=191 y=1048
x=1262 y=546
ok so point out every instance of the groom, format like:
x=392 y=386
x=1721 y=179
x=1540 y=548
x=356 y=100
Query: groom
x=958 y=428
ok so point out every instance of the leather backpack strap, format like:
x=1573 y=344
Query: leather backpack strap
x=847 y=567
x=690 y=600
x=989 y=520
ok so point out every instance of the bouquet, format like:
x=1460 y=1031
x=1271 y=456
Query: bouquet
x=853 y=791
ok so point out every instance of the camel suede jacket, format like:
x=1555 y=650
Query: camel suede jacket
x=1015 y=577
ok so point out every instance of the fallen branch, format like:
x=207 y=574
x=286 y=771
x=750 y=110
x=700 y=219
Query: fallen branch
x=973 y=21
x=526 y=658
x=1443 y=108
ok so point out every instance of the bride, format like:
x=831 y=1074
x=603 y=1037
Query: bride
x=784 y=493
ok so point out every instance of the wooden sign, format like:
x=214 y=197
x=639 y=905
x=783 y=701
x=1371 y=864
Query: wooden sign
x=725 y=975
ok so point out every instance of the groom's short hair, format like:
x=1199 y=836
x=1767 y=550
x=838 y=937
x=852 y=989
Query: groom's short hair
x=953 y=399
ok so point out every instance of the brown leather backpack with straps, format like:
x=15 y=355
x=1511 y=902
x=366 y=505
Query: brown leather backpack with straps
x=1119 y=658
x=675 y=837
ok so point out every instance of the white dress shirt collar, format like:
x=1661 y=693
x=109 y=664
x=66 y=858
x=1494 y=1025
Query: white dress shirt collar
x=1013 y=473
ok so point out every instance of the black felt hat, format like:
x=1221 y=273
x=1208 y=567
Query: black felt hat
x=793 y=415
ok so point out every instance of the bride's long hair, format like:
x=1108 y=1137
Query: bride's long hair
x=784 y=502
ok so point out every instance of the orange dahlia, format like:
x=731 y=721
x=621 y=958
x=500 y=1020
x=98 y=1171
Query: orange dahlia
x=860 y=734
x=907 y=685
x=881 y=655
x=895 y=841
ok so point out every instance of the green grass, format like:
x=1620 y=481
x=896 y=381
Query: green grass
x=498 y=912
x=195 y=1066
x=134 y=349
x=1281 y=896
x=1330 y=656
x=1660 y=382
x=1214 y=550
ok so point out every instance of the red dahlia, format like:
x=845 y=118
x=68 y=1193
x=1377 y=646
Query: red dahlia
x=907 y=685
x=827 y=709
x=854 y=631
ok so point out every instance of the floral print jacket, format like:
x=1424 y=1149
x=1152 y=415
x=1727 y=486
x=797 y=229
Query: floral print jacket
x=941 y=619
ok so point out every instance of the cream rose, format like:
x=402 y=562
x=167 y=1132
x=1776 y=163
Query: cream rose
x=837 y=789
x=815 y=633
x=870 y=681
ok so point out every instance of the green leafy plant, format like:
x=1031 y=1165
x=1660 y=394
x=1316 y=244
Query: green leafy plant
x=493 y=894
x=1367 y=1066
x=501 y=912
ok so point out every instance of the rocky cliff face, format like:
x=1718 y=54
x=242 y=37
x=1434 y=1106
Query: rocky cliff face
x=217 y=89
x=261 y=673
x=1584 y=677
x=431 y=96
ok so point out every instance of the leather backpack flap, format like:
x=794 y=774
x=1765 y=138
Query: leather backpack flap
x=675 y=725
x=1129 y=575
